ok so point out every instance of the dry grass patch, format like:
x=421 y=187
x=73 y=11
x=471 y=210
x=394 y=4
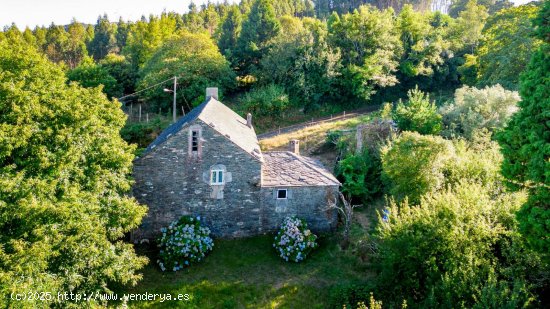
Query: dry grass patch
x=311 y=137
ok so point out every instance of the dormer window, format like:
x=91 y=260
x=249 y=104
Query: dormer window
x=216 y=177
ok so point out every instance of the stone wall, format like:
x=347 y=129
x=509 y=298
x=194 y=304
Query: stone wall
x=173 y=183
x=308 y=203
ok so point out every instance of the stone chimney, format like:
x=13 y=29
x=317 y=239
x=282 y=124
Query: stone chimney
x=212 y=92
x=294 y=146
x=249 y=120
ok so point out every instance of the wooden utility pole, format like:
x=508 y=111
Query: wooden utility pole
x=174 y=105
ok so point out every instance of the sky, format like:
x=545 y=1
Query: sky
x=43 y=12
x=61 y=12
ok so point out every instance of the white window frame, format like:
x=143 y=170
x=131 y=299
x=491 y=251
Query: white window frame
x=215 y=177
x=286 y=194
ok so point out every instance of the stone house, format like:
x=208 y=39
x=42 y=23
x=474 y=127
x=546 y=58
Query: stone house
x=209 y=164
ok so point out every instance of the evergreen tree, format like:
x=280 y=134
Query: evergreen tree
x=258 y=29
x=56 y=41
x=104 y=40
x=525 y=141
x=122 y=30
x=229 y=33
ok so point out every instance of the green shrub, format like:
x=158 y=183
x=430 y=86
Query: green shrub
x=413 y=164
x=474 y=109
x=143 y=133
x=182 y=243
x=268 y=100
x=349 y=295
x=417 y=114
x=459 y=247
x=360 y=175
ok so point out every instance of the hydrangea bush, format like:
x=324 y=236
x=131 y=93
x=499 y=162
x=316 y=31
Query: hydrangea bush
x=294 y=241
x=182 y=243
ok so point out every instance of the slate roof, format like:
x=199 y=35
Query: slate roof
x=222 y=119
x=287 y=169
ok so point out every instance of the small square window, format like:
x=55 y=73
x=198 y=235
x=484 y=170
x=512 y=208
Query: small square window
x=281 y=194
x=216 y=177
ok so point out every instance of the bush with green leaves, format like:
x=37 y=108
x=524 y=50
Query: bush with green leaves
x=458 y=247
x=475 y=109
x=294 y=241
x=143 y=133
x=270 y=100
x=183 y=243
x=413 y=164
x=417 y=114
x=360 y=175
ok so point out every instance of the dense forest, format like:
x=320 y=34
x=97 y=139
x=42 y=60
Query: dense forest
x=460 y=148
x=318 y=54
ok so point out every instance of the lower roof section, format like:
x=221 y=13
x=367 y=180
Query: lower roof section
x=287 y=169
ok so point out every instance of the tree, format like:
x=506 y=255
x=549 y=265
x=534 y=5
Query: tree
x=104 y=40
x=257 y=31
x=64 y=178
x=468 y=26
x=122 y=30
x=76 y=44
x=270 y=100
x=90 y=75
x=193 y=21
x=423 y=45
x=55 y=43
x=526 y=141
x=302 y=61
x=506 y=46
x=211 y=18
x=195 y=60
x=229 y=32
x=370 y=47
x=492 y=6
x=475 y=109
x=121 y=70
x=145 y=37
x=417 y=114
x=346 y=210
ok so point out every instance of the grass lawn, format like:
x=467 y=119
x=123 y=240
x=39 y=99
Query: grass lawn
x=247 y=273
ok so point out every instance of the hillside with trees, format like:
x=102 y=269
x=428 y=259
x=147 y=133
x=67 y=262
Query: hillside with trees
x=452 y=171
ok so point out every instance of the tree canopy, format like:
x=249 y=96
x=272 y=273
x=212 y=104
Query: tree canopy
x=64 y=172
x=197 y=63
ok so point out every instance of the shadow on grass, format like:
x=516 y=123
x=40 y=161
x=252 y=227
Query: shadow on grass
x=247 y=273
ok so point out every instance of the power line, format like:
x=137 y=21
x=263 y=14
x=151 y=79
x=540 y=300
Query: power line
x=155 y=85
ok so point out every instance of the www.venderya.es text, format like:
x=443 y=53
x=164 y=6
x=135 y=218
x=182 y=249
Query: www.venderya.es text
x=97 y=296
